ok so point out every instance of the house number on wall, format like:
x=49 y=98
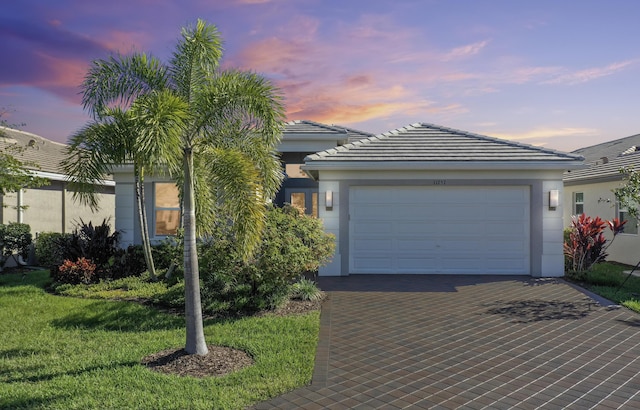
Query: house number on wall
x=439 y=182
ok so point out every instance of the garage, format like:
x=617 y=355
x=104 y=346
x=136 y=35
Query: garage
x=427 y=199
x=439 y=229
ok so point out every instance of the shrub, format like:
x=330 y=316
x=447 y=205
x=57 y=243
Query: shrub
x=96 y=243
x=292 y=244
x=168 y=253
x=586 y=245
x=81 y=271
x=48 y=250
x=15 y=240
x=128 y=262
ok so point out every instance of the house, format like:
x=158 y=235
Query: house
x=419 y=199
x=49 y=208
x=299 y=139
x=430 y=199
x=590 y=190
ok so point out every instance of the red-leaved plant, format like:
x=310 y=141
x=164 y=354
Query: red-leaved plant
x=587 y=245
x=80 y=271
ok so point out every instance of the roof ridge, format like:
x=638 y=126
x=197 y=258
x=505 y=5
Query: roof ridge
x=317 y=124
x=30 y=134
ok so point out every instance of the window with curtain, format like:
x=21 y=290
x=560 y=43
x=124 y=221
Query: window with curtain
x=166 y=208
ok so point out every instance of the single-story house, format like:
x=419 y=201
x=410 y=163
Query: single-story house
x=49 y=208
x=430 y=199
x=589 y=190
x=419 y=199
x=299 y=139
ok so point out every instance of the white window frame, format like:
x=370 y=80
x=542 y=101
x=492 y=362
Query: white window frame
x=630 y=221
x=576 y=203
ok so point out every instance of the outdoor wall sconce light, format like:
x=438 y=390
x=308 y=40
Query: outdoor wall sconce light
x=554 y=199
x=328 y=199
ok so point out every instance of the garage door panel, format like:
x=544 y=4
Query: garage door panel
x=439 y=230
x=507 y=213
x=415 y=244
x=373 y=244
x=373 y=227
x=409 y=228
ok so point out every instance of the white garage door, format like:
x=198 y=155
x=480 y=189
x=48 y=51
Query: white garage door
x=441 y=229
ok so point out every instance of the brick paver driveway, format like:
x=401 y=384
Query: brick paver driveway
x=470 y=342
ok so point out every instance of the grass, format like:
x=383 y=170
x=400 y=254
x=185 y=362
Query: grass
x=605 y=280
x=61 y=352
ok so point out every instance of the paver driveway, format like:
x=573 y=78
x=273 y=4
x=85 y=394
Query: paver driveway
x=469 y=342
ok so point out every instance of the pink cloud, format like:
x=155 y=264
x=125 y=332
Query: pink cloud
x=465 y=51
x=583 y=76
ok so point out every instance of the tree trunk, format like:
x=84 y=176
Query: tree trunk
x=193 y=307
x=144 y=227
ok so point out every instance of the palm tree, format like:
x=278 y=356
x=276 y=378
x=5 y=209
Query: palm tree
x=146 y=135
x=227 y=142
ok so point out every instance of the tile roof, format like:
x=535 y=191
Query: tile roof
x=605 y=160
x=422 y=142
x=311 y=127
x=46 y=153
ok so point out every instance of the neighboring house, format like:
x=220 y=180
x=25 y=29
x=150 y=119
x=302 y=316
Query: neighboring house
x=299 y=139
x=430 y=199
x=590 y=190
x=49 y=208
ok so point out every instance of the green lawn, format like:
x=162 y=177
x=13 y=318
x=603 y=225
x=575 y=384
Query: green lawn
x=61 y=352
x=605 y=280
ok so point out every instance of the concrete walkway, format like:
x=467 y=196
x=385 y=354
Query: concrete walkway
x=470 y=342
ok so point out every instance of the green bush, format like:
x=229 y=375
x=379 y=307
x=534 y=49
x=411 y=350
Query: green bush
x=15 y=240
x=169 y=252
x=48 y=250
x=292 y=244
x=128 y=262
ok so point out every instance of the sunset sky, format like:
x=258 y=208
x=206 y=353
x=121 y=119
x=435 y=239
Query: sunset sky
x=562 y=74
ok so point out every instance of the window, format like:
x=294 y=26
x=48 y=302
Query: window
x=578 y=203
x=294 y=171
x=631 y=227
x=167 y=208
x=304 y=199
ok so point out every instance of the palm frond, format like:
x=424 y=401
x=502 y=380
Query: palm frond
x=239 y=193
x=119 y=80
x=160 y=119
x=196 y=58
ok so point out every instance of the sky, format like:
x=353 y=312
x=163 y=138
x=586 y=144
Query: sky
x=558 y=74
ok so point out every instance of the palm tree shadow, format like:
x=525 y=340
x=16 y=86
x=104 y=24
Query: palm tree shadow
x=527 y=311
x=120 y=317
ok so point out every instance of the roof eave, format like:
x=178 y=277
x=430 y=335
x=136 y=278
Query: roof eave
x=439 y=165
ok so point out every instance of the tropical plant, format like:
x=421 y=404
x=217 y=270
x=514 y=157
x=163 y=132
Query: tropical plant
x=587 y=244
x=228 y=125
x=144 y=135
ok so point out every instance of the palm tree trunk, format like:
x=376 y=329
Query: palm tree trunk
x=196 y=343
x=144 y=227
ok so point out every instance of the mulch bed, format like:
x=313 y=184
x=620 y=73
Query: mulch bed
x=220 y=360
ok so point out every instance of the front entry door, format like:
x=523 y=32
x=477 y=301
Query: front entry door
x=303 y=198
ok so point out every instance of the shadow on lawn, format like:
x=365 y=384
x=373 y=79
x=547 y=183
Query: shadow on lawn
x=31 y=402
x=31 y=374
x=118 y=316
